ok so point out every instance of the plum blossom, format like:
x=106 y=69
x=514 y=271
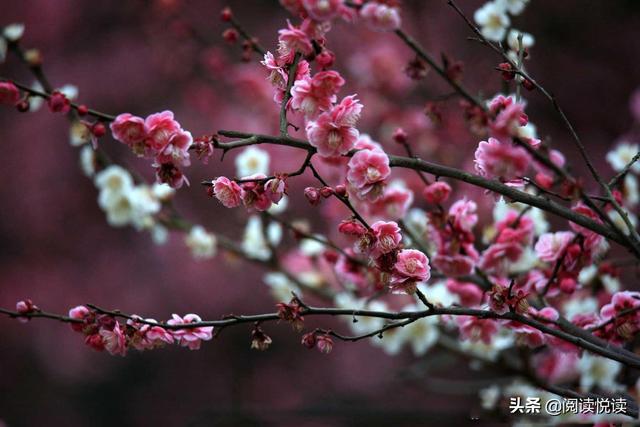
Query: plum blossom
x=114 y=340
x=463 y=214
x=190 y=337
x=394 y=202
x=290 y=41
x=514 y=7
x=176 y=150
x=387 y=236
x=411 y=266
x=512 y=40
x=251 y=161
x=227 y=192
x=201 y=243
x=551 y=246
x=316 y=94
x=130 y=130
x=596 y=371
x=9 y=93
x=380 y=17
x=323 y=10
x=502 y=160
x=476 y=329
x=13 y=32
x=333 y=132
x=159 y=128
x=437 y=192
x=367 y=170
x=493 y=20
x=622 y=155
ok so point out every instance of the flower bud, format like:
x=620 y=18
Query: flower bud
x=324 y=344
x=230 y=35
x=400 y=136
x=309 y=340
x=226 y=15
x=326 y=192
x=313 y=195
x=437 y=193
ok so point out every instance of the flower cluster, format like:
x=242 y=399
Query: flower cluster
x=159 y=137
x=105 y=332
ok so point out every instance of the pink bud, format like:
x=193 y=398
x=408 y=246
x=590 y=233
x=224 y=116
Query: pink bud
x=352 y=228
x=400 y=136
x=9 y=93
x=568 y=285
x=59 y=103
x=309 y=340
x=313 y=195
x=324 y=343
x=437 y=193
x=326 y=192
x=341 y=190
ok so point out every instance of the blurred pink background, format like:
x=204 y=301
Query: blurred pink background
x=57 y=249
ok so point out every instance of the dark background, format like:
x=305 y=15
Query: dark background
x=56 y=248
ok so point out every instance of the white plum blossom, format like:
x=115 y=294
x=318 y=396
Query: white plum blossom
x=489 y=397
x=114 y=179
x=159 y=234
x=514 y=7
x=201 y=243
x=620 y=222
x=281 y=287
x=252 y=161
x=13 y=32
x=512 y=40
x=281 y=206
x=88 y=161
x=79 y=134
x=631 y=194
x=254 y=243
x=162 y=191
x=421 y=334
x=311 y=247
x=596 y=371
x=622 y=155
x=584 y=305
x=493 y=20
x=124 y=203
x=438 y=294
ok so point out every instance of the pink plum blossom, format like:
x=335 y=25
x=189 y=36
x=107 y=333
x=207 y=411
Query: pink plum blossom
x=176 y=150
x=469 y=293
x=114 y=340
x=476 y=329
x=463 y=214
x=190 y=337
x=501 y=160
x=316 y=94
x=551 y=246
x=437 y=192
x=292 y=40
x=228 y=192
x=323 y=10
x=130 y=130
x=387 y=235
x=159 y=128
x=394 y=203
x=332 y=133
x=380 y=17
x=367 y=170
x=411 y=266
